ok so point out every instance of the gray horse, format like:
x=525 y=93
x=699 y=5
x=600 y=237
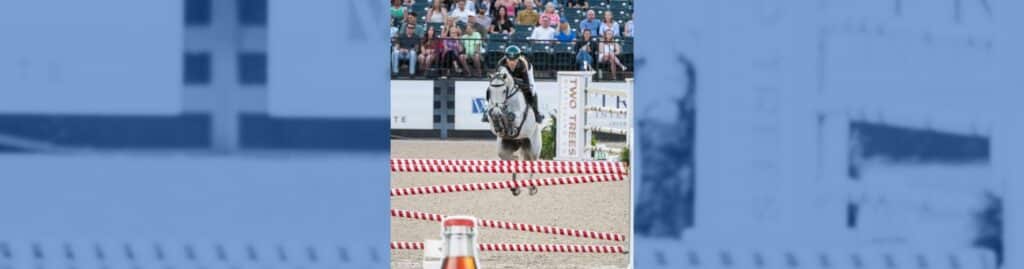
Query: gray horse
x=512 y=121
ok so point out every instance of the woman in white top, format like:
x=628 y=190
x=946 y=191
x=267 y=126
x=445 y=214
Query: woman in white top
x=608 y=24
x=608 y=52
x=437 y=12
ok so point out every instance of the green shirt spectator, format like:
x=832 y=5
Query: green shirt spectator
x=397 y=11
x=471 y=42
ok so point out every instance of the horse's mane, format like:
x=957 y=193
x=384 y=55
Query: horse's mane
x=503 y=70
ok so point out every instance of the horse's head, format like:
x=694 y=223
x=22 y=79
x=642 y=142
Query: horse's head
x=501 y=87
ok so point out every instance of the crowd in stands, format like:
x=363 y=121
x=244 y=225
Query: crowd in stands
x=466 y=37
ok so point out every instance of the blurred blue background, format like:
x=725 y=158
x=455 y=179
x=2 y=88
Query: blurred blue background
x=193 y=134
x=829 y=134
x=785 y=134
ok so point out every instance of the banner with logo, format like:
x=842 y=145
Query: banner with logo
x=571 y=143
x=470 y=103
x=573 y=118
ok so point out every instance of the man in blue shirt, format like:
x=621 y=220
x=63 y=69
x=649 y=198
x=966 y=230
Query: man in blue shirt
x=591 y=24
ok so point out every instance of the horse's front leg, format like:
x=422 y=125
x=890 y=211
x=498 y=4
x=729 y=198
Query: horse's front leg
x=531 y=153
x=515 y=190
x=506 y=151
x=533 y=189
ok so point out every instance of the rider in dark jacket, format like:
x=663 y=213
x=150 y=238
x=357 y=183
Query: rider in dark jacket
x=522 y=73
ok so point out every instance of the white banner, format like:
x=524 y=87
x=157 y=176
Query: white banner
x=470 y=103
x=412 y=104
x=571 y=144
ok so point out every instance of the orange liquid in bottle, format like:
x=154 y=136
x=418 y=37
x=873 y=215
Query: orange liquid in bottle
x=459 y=233
x=459 y=262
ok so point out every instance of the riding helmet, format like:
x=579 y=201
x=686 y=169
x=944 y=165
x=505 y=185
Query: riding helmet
x=513 y=51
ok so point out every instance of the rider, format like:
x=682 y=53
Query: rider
x=522 y=73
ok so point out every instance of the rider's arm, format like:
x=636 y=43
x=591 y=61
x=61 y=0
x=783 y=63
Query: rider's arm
x=529 y=72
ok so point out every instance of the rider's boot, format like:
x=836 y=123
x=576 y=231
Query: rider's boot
x=532 y=100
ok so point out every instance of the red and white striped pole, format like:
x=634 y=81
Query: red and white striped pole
x=508 y=169
x=546 y=163
x=483 y=186
x=552 y=248
x=515 y=226
x=399 y=245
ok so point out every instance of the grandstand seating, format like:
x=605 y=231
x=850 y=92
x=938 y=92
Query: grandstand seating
x=547 y=57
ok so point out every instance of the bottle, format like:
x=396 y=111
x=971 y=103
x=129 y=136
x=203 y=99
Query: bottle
x=459 y=233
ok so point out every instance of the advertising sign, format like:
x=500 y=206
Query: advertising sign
x=471 y=102
x=412 y=106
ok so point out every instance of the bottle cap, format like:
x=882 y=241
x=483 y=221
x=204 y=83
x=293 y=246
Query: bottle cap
x=460 y=221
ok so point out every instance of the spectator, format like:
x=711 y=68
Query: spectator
x=609 y=24
x=408 y=3
x=484 y=5
x=543 y=33
x=460 y=13
x=470 y=5
x=585 y=49
x=470 y=23
x=555 y=2
x=528 y=16
x=405 y=50
x=502 y=24
x=590 y=24
x=610 y=50
x=551 y=14
x=397 y=12
x=448 y=25
x=450 y=49
x=412 y=20
x=628 y=29
x=577 y=3
x=483 y=21
x=508 y=5
x=471 y=52
x=428 y=46
x=436 y=13
x=565 y=35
